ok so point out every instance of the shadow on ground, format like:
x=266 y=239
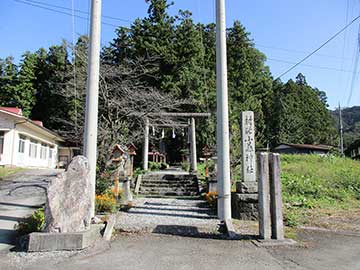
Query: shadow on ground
x=192 y=231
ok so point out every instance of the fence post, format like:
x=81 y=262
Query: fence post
x=277 y=226
x=264 y=196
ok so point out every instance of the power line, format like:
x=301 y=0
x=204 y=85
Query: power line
x=61 y=12
x=318 y=49
x=297 y=51
x=309 y=65
x=75 y=10
x=356 y=65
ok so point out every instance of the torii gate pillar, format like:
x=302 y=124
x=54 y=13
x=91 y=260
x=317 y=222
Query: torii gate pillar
x=146 y=146
x=193 y=158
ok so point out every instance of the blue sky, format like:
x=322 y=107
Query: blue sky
x=285 y=30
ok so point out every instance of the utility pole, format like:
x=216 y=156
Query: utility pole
x=92 y=95
x=222 y=115
x=341 y=131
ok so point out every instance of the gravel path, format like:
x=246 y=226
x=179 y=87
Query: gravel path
x=169 y=216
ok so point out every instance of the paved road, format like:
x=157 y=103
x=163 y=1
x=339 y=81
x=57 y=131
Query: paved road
x=20 y=195
x=319 y=251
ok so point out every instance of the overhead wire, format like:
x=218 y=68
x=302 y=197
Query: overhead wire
x=61 y=12
x=75 y=10
x=319 y=48
x=355 y=71
x=298 y=51
x=308 y=65
x=345 y=35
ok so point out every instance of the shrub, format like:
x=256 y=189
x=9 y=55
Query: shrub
x=185 y=165
x=212 y=197
x=154 y=166
x=104 y=181
x=105 y=203
x=33 y=223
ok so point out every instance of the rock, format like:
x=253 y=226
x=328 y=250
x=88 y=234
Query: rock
x=68 y=204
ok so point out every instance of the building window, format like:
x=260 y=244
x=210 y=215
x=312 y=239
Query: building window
x=2 y=141
x=33 y=149
x=22 y=140
x=51 y=152
x=43 y=151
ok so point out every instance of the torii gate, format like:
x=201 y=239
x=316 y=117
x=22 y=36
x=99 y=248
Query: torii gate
x=191 y=126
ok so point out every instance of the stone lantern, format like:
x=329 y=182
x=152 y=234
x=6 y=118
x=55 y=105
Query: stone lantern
x=206 y=152
x=132 y=152
x=118 y=158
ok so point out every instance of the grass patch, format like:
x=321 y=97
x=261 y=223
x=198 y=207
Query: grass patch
x=318 y=184
x=5 y=171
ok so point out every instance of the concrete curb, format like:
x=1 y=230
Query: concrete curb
x=274 y=243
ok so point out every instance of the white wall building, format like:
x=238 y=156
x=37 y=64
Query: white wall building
x=25 y=142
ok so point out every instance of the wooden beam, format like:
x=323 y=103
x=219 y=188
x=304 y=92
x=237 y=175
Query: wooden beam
x=181 y=114
x=170 y=125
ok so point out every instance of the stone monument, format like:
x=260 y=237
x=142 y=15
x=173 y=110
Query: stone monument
x=69 y=197
x=248 y=183
x=245 y=200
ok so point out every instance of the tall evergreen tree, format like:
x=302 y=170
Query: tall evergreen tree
x=8 y=82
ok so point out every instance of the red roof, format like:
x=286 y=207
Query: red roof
x=39 y=123
x=12 y=110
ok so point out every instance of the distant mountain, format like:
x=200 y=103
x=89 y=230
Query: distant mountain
x=351 y=123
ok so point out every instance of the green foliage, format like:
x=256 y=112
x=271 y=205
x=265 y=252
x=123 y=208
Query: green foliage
x=33 y=223
x=351 y=126
x=138 y=171
x=300 y=115
x=157 y=166
x=5 y=171
x=313 y=181
x=185 y=165
x=104 y=181
x=201 y=167
x=169 y=53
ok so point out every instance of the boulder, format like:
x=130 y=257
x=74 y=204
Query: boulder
x=69 y=196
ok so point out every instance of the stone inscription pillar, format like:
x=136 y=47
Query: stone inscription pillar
x=248 y=184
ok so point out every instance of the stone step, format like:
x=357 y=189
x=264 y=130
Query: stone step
x=168 y=188
x=169 y=185
x=170 y=177
x=159 y=182
x=174 y=185
x=169 y=193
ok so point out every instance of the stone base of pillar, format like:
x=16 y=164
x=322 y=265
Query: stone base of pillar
x=250 y=187
x=244 y=206
x=127 y=196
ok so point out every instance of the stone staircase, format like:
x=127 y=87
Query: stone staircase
x=169 y=184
